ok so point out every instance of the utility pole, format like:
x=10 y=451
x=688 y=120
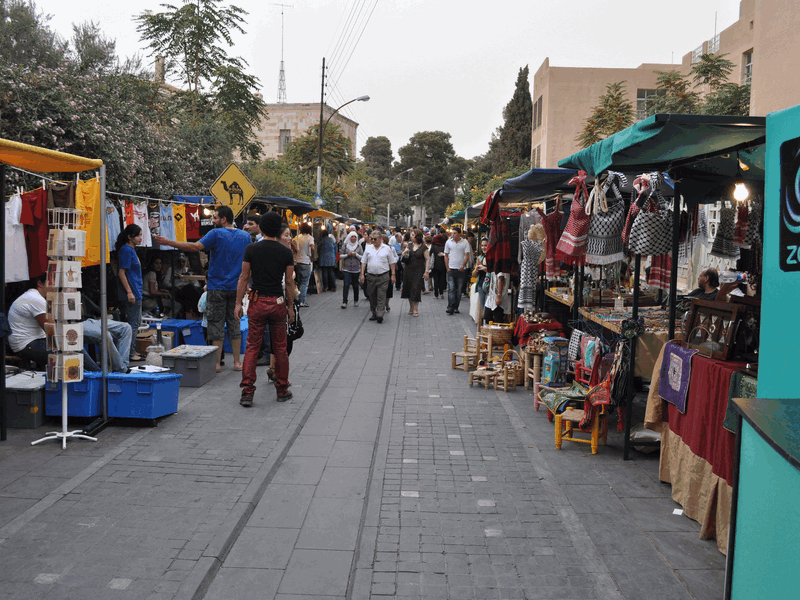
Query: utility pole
x=321 y=121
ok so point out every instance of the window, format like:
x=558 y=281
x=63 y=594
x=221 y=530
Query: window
x=696 y=54
x=536 y=157
x=747 y=67
x=285 y=137
x=644 y=102
x=537 y=114
x=713 y=45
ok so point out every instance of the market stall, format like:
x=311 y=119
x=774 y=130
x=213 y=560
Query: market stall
x=696 y=155
x=40 y=160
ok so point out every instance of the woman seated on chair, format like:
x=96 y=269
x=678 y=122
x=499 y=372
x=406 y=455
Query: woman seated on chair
x=153 y=296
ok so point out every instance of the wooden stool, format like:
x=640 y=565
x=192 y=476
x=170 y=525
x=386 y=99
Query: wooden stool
x=469 y=357
x=567 y=424
x=483 y=375
x=533 y=368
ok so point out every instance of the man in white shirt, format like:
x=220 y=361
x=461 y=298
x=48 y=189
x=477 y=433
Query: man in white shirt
x=26 y=317
x=457 y=253
x=377 y=263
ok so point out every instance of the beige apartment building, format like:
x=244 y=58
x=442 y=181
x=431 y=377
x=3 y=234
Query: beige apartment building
x=287 y=122
x=763 y=44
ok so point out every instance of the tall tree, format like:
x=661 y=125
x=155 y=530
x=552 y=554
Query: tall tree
x=378 y=157
x=191 y=38
x=674 y=95
x=337 y=160
x=25 y=37
x=514 y=147
x=613 y=113
x=92 y=52
x=433 y=159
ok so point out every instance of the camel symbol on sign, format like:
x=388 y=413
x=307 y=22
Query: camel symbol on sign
x=234 y=189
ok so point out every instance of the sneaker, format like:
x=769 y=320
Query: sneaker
x=264 y=360
x=449 y=311
x=246 y=401
x=355 y=304
x=287 y=395
x=305 y=305
x=456 y=312
x=344 y=304
x=373 y=318
x=380 y=319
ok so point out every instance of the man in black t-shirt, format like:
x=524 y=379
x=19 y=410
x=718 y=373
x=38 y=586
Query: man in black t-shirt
x=267 y=263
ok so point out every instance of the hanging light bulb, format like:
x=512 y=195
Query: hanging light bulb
x=740 y=192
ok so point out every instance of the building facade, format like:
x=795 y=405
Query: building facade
x=762 y=44
x=286 y=122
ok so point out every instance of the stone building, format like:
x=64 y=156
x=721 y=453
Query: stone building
x=287 y=122
x=762 y=44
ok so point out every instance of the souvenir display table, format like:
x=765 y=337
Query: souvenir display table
x=696 y=450
x=562 y=295
x=648 y=345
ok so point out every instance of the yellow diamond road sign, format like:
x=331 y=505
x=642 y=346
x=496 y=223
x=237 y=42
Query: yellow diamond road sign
x=233 y=189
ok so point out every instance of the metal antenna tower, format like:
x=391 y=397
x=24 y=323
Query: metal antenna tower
x=282 y=76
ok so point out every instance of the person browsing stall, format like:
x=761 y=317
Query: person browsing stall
x=227 y=245
x=267 y=263
x=377 y=269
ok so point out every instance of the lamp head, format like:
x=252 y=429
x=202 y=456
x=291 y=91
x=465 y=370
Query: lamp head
x=740 y=191
x=362 y=99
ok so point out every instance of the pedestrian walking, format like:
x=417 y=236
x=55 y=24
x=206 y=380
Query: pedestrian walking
x=305 y=255
x=456 y=256
x=327 y=260
x=415 y=273
x=390 y=290
x=265 y=267
x=377 y=271
x=438 y=268
x=130 y=280
x=227 y=245
x=351 y=254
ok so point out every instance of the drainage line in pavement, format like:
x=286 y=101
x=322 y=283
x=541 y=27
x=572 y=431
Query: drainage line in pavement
x=375 y=449
x=207 y=578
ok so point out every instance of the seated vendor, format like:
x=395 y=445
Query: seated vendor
x=707 y=285
x=26 y=318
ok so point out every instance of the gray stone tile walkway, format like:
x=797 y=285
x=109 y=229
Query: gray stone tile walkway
x=385 y=476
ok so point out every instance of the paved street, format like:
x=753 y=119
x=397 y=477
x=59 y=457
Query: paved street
x=385 y=476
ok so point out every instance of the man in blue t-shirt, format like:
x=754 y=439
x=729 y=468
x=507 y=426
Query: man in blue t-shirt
x=226 y=246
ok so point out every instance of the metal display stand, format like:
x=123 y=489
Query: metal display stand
x=67 y=241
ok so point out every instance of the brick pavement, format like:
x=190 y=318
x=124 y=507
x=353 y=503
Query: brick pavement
x=385 y=476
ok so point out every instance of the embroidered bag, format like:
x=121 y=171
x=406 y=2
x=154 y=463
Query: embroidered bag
x=651 y=233
x=604 y=243
x=571 y=247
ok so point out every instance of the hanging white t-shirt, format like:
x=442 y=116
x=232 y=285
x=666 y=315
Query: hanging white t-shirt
x=22 y=319
x=167 y=224
x=140 y=218
x=16 y=253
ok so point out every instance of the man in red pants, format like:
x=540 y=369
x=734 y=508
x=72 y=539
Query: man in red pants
x=268 y=263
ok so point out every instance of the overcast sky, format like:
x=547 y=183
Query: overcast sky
x=430 y=64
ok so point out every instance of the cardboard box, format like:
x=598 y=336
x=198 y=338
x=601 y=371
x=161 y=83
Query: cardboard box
x=143 y=340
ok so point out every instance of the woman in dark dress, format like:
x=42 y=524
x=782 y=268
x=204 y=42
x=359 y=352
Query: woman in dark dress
x=416 y=271
x=438 y=269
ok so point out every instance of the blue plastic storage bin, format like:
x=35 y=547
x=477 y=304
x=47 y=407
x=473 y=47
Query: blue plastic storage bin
x=243 y=326
x=185 y=331
x=143 y=395
x=83 y=397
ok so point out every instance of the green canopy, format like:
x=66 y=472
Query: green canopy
x=662 y=142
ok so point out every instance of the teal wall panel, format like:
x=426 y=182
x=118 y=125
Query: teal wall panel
x=767 y=558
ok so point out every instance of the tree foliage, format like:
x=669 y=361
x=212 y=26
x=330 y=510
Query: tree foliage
x=613 y=113
x=26 y=39
x=433 y=159
x=191 y=39
x=676 y=92
x=92 y=52
x=514 y=137
x=378 y=157
x=337 y=160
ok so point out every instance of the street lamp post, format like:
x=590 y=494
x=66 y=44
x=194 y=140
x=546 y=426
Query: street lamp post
x=322 y=126
x=422 y=196
x=389 y=203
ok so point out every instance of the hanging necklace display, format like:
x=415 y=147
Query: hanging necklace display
x=65 y=242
